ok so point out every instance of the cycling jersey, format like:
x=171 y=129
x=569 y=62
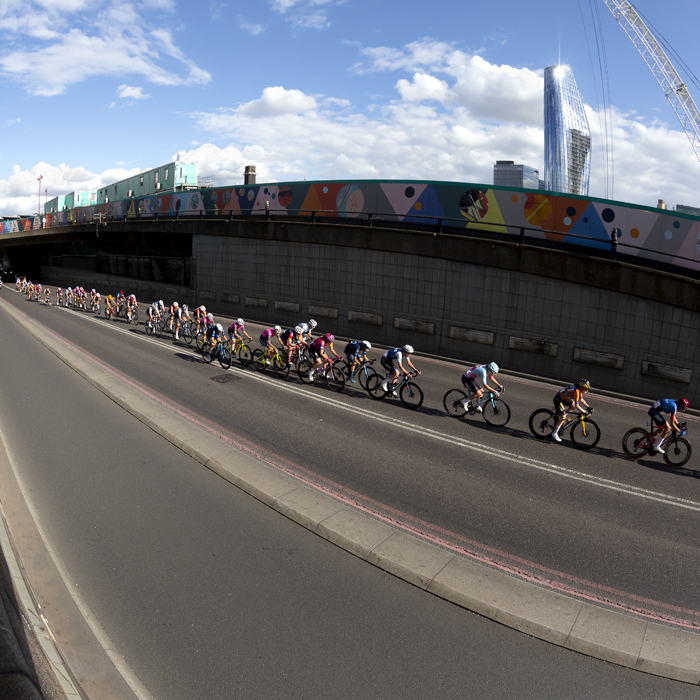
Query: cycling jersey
x=663 y=406
x=213 y=332
x=354 y=349
x=287 y=336
x=394 y=354
x=318 y=344
x=570 y=393
x=478 y=374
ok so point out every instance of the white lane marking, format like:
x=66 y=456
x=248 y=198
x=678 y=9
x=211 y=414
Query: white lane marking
x=455 y=441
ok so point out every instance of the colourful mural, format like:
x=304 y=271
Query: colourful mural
x=650 y=233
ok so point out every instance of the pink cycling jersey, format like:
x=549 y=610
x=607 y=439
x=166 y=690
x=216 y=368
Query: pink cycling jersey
x=318 y=344
x=268 y=333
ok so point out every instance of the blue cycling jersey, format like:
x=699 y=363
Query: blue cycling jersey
x=664 y=406
x=394 y=354
x=354 y=348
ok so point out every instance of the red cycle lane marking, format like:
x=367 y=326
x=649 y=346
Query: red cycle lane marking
x=404 y=521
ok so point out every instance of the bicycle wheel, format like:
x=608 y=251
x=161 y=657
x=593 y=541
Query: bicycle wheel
x=149 y=328
x=411 y=395
x=281 y=366
x=244 y=355
x=199 y=340
x=343 y=367
x=585 y=434
x=135 y=317
x=207 y=354
x=365 y=374
x=496 y=413
x=158 y=328
x=335 y=378
x=185 y=333
x=303 y=371
x=677 y=452
x=452 y=401
x=636 y=443
x=225 y=356
x=259 y=360
x=374 y=388
x=542 y=423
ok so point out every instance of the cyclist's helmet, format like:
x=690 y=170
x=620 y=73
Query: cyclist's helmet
x=492 y=367
x=93 y=290
x=329 y=337
x=312 y=323
x=219 y=328
x=683 y=404
x=240 y=321
x=175 y=305
x=408 y=349
x=202 y=308
x=109 y=297
x=583 y=384
x=59 y=290
x=121 y=294
x=278 y=330
x=298 y=330
x=210 y=317
x=185 y=308
x=366 y=344
x=161 y=303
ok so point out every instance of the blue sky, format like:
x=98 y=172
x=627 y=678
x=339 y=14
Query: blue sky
x=94 y=91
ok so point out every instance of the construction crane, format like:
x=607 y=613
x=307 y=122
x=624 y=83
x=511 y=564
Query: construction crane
x=674 y=88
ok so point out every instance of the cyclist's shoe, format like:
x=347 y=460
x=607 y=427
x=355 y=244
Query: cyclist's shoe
x=310 y=374
x=384 y=385
x=353 y=380
x=556 y=437
x=478 y=409
x=394 y=394
x=659 y=450
x=177 y=336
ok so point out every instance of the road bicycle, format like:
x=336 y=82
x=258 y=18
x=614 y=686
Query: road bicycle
x=409 y=392
x=133 y=316
x=363 y=372
x=585 y=433
x=154 y=327
x=238 y=347
x=220 y=350
x=494 y=409
x=297 y=353
x=677 y=449
x=263 y=359
x=109 y=312
x=333 y=376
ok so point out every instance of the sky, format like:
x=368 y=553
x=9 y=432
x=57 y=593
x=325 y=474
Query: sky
x=94 y=91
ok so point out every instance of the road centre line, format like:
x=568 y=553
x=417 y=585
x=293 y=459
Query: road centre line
x=505 y=455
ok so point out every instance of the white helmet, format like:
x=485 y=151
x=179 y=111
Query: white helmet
x=175 y=304
x=492 y=368
x=240 y=321
x=298 y=330
x=312 y=323
x=408 y=349
x=219 y=328
x=278 y=330
x=210 y=317
x=185 y=307
x=202 y=308
x=161 y=303
x=367 y=344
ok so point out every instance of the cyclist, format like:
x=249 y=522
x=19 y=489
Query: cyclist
x=318 y=352
x=475 y=380
x=174 y=318
x=662 y=426
x=287 y=340
x=307 y=329
x=236 y=328
x=214 y=334
x=395 y=355
x=568 y=399
x=47 y=295
x=153 y=313
x=37 y=292
x=110 y=309
x=266 y=341
x=59 y=296
x=98 y=298
x=131 y=305
x=200 y=313
x=356 y=352
x=121 y=300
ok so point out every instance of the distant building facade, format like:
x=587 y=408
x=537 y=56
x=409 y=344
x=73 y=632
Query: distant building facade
x=685 y=209
x=507 y=173
x=567 y=135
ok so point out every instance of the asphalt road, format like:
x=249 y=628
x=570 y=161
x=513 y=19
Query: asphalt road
x=201 y=588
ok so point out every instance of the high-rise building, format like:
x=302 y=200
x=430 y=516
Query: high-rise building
x=567 y=136
x=507 y=173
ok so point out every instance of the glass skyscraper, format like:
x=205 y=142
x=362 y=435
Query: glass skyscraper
x=507 y=173
x=567 y=136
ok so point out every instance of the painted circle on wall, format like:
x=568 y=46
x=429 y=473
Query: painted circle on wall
x=325 y=190
x=417 y=206
x=251 y=195
x=608 y=215
x=409 y=192
x=194 y=201
x=567 y=221
x=676 y=224
x=634 y=233
x=538 y=210
x=474 y=205
x=570 y=211
x=668 y=235
x=514 y=198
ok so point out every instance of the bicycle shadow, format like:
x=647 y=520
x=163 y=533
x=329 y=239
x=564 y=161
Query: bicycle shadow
x=189 y=358
x=664 y=468
x=476 y=423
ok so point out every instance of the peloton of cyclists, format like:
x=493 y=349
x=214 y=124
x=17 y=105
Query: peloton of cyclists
x=663 y=426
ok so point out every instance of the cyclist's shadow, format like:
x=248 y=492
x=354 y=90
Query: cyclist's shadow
x=663 y=467
x=477 y=423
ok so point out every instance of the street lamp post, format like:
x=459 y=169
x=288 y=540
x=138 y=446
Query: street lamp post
x=40 y=178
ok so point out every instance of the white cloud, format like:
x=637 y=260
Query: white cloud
x=252 y=29
x=116 y=43
x=135 y=93
x=306 y=14
x=277 y=101
x=424 y=87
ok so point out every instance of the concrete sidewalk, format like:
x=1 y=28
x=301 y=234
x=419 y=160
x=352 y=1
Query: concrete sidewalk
x=566 y=621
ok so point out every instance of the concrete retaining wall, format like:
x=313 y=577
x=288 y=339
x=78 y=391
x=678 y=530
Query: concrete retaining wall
x=552 y=313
